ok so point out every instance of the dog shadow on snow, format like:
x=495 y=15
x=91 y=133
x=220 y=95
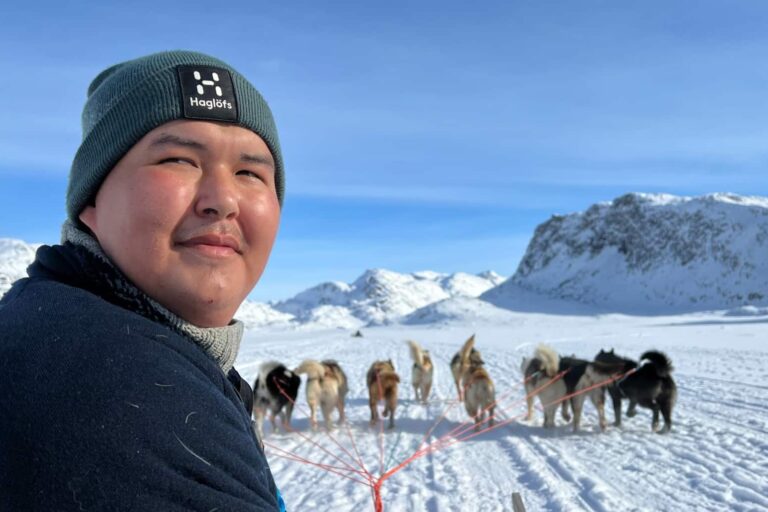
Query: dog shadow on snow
x=440 y=418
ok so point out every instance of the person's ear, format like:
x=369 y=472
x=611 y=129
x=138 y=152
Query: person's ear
x=88 y=217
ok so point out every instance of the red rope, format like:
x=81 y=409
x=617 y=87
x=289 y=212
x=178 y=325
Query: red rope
x=444 y=443
x=335 y=441
x=359 y=458
x=593 y=386
x=325 y=467
x=445 y=414
x=381 y=424
x=315 y=443
x=463 y=427
x=289 y=454
x=454 y=436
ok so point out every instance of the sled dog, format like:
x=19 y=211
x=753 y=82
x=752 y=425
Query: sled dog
x=382 y=383
x=274 y=390
x=538 y=372
x=326 y=387
x=421 y=373
x=613 y=388
x=456 y=365
x=479 y=392
x=652 y=387
x=582 y=375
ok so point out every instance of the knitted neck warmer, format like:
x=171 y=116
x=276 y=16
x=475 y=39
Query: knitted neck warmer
x=220 y=343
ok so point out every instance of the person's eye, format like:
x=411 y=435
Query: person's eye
x=250 y=174
x=176 y=160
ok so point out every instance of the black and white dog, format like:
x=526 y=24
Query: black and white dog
x=273 y=383
x=613 y=388
x=582 y=379
x=565 y=381
x=651 y=386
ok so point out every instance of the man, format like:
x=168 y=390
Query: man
x=117 y=387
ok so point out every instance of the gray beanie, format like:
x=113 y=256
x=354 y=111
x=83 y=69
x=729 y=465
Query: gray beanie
x=128 y=100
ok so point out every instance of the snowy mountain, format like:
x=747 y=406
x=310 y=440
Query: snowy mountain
x=459 y=310
x=377 y=297
x=647 y=253
x=258 y=314
x=640 y=253
x=15 y=257
x=381 y=296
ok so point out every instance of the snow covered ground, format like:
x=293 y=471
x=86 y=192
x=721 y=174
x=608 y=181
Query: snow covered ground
x=716 y=457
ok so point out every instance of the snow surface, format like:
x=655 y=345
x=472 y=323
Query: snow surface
x=715 y=458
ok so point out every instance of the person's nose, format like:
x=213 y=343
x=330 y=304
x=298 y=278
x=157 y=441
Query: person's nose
x=217 y=195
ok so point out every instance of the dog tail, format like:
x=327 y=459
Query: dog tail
x=466 y=350
x=313 y=369
x=524 y=364
x=660 y=361
x=341 y=377
x=549 y=358
x=268 y=366
x=281 y=381
x=417 y=354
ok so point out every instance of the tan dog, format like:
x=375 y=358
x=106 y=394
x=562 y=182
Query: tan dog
x=539 y=372
x=421 y=373
x=479 y=392
x=326 y=387
x=382 y=383
x=456 y=365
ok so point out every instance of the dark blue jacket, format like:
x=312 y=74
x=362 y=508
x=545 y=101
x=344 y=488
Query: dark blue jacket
x=104 y=409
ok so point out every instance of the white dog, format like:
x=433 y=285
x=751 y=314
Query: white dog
x=326 y=387
x=539 y=371
x=422 y=372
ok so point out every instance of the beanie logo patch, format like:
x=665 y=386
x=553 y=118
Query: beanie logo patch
x=207 y=93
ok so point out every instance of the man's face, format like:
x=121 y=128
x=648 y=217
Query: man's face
x=190 y=214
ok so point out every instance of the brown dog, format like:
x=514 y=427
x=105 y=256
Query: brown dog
x=479 y=392
x=456 y=365
x=326 y=387
x=382 y=383
x=421 y=373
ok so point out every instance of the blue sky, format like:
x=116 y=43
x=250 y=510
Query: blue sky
x=418 y=135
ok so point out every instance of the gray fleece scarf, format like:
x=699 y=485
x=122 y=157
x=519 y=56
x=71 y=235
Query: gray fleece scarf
x=220 y=343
